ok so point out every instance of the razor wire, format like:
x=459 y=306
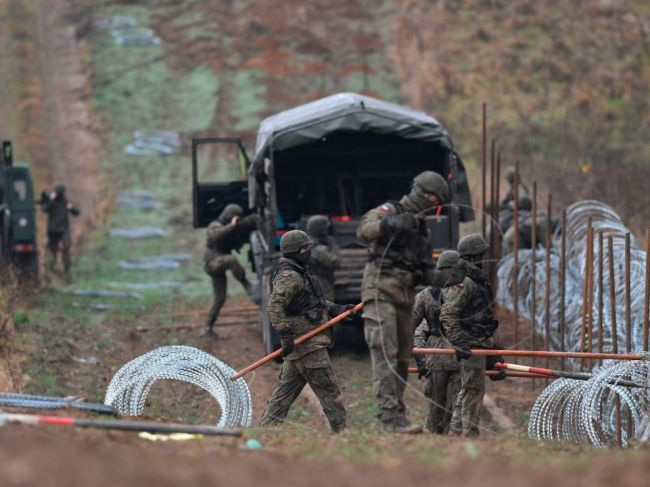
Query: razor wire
x=584 y=412
x=30 y=401
x=596 y=410
x=129 y=387
x=607 y=221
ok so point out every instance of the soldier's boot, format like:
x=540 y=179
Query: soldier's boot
x=338 y=427
x=402 y=426
x=209 y=332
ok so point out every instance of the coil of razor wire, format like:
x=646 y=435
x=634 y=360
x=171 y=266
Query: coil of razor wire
x=596 y=410
x=30 y=401
x=131 y=384
x=607 y=221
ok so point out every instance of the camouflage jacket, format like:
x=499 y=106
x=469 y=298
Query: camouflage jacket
x=467 y=312
x=426 y=321
x=324 y=259
x=296 y=306
x=223 y=239
x=58 y=211
x=406 y=263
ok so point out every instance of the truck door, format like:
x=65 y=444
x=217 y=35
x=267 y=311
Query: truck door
x=214 y=162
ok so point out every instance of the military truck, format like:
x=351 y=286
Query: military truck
x=339 y=156
x=17 y=218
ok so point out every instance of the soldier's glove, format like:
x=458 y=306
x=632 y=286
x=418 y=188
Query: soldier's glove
x=286 y=340
x=491 y=360
x=337 y=309
x=462 y=353
x=422 y=366
x=402 y=222
x=501 y=375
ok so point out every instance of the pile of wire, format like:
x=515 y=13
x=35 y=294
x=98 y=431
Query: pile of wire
x=30 y=401
x=598 y=410
x=128 y=390
x=605 y=220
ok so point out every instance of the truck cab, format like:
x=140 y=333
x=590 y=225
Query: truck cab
x=339 y=156
x=17 y=217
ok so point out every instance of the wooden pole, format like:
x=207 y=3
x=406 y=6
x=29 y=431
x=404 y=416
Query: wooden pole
x=491 y=268
x=297 y=341
x=484 y=167
x=590 y=296
x=497 y=234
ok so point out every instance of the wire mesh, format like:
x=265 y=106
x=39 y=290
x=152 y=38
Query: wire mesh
x=128 y=390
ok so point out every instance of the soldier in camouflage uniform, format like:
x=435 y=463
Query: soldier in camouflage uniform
x=399 y=247
x=510 y=195
x=324 y=255
x=467 y=317
x=297 y=306
x=525 y=228
x=442 y=371
x=227 y=233
x=58 y=210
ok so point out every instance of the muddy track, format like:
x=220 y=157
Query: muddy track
x=73 y=139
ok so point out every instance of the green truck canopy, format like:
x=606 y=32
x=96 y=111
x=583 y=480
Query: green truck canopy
x=351 y=112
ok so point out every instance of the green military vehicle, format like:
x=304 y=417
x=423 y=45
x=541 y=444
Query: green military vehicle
x=17 y=218
x=339 y=156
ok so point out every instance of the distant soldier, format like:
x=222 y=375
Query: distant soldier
x=324 y=255
x=525 y=229
x=467 y=317
x=510 y=195
x=227 y=233
x=297 y=306
x=58 y=210
x=442 y=371
x=399 y=248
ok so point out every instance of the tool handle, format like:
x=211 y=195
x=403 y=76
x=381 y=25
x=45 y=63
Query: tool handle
x=297 y=341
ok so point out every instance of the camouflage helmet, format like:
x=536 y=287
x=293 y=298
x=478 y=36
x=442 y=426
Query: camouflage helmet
x=433 y=183
x=525 y=203
x=318 y=226
x=59 y=188
x=509 y=174
x=293 y=241
x=229 y=212
x=447 y=260
x=471 y=245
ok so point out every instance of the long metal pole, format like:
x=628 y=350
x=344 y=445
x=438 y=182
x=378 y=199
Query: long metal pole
x=646 y=301
x=491 y=373
x=533 y=269
x=601 y=291
x=483 y=167
x=612 y=292
x=590 y=297
x=563 y=286
x=297 y=341
x=585 y=287
x=547 y=289
x=561 y=373
x=515 y=267
x=492 y=225
x=116 y=424
x=497 y=232
x=628 y=296
x=532 y=353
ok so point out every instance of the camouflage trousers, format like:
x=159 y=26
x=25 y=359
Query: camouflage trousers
x=442 y=389
x=389 y=334
x=216 y=268
x=467 y=410
x=316 y=370
x=56 y=240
